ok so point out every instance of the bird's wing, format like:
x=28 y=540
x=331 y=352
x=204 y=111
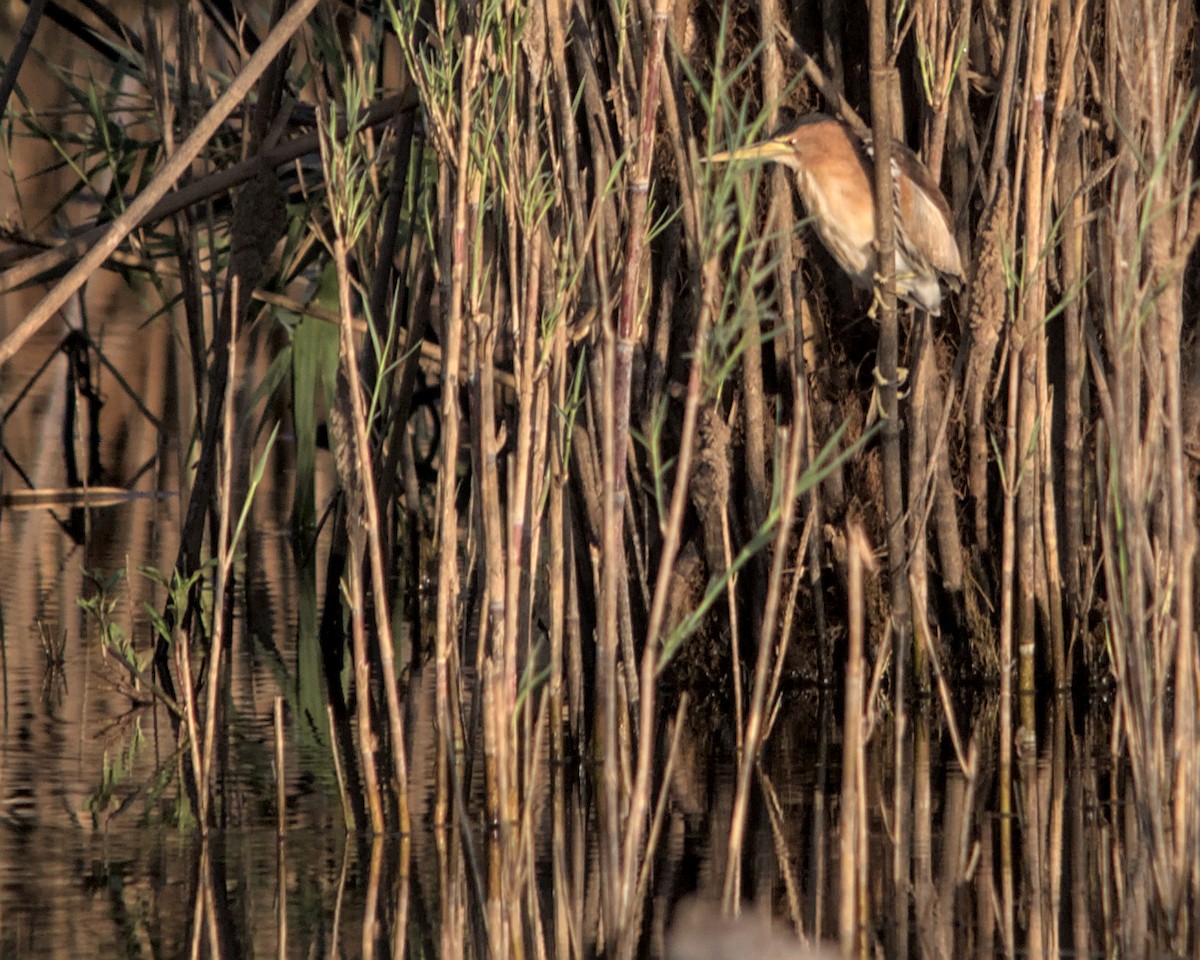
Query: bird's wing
x=926 y=214
x=923 y=210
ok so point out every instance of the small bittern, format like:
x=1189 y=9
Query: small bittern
x=836 y=179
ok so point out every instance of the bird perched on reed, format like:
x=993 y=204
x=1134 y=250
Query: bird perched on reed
x=836 y=181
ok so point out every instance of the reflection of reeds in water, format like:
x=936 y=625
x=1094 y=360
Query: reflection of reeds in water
x=649 y=409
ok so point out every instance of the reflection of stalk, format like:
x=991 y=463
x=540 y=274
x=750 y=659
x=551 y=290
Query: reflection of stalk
x=1007 y=568
x=281 y=886
x=371 y=904
x=852 y=853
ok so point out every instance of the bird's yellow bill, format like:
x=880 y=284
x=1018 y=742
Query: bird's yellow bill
x=763 y=150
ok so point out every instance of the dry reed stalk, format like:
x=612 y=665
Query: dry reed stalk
x=882 y=77
x=362 y=683
x=374 y=529
x=803 y=421
x=455 y=155
x=779 y=221
x=1029 y=336
x=1082 y=939
x=735 y=646
x=224 y=558
x=803 y=549
x=919 y=501
x=556 y=558
x=1070 y=34
x=941 y=55
x=985 y=320
x=1005 y=98
x=882 y=82
x=1074 y=204
x=191 y=724
x=348 y=818
x=493 y=639
x=936 y=64
x=756 y=719
x=1149 y=531
x=623 y=864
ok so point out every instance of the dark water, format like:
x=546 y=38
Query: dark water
x=98 y=857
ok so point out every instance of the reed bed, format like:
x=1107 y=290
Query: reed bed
x=652 y=471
